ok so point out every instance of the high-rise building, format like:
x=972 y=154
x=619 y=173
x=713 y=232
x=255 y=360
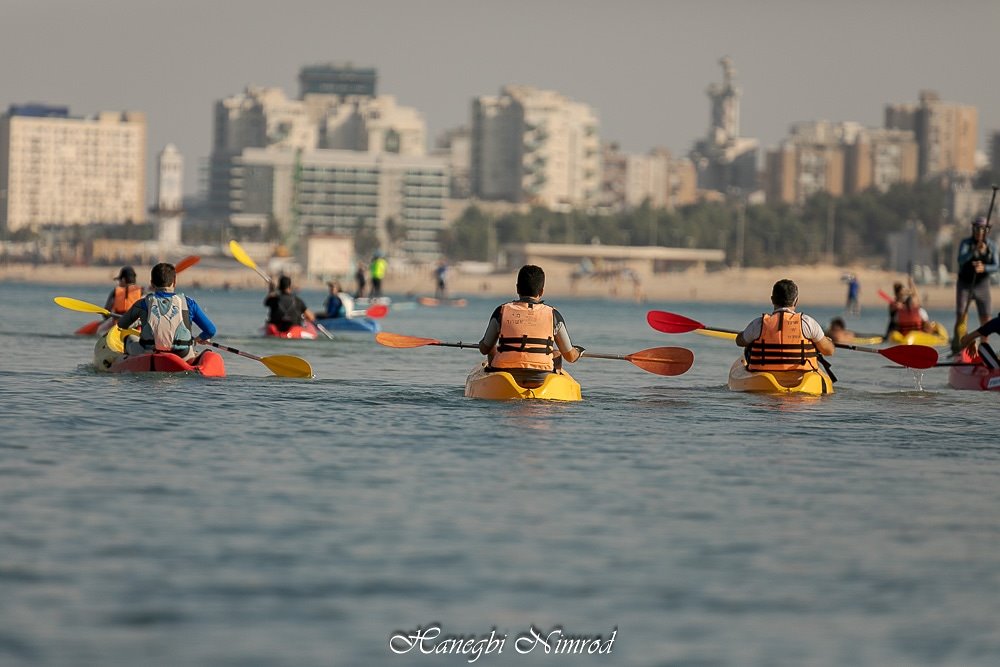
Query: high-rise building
x=946 y=134
x=535 y=146
x=726 y=161
x=628 y=181
x=878 y=159
x=455 y=146
x=266 y=118
x=170 y=179
x=337 y=79
x=334 y=191
x=56 y=169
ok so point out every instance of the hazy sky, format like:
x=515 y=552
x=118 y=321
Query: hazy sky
x=643 y=65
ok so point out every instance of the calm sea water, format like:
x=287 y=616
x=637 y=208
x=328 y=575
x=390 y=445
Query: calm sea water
x=264 y=521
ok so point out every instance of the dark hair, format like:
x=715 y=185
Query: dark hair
x=530 y=280
x=838 y=322
x=784 y=293
x=127 y=274
x=163 y=275
x=284 y=282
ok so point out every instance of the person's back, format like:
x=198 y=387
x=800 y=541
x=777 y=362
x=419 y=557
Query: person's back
x=125 y=293
x=784 y=340
x=524 y=336
x=285 y=310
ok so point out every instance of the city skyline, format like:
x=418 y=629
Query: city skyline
x=643 y=66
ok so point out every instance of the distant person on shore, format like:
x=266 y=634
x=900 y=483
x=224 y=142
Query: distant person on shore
x=977 y=261
x=377 y=272
x=125 y=294
x=338 y=303
x=167 y=316
x=527 y=337
x=784 y=340
x=359 y=282
x=441 y=278
x=853 y=306
x=285 y=309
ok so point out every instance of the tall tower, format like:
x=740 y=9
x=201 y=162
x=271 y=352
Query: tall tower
x=725 y=100
x=169 y=197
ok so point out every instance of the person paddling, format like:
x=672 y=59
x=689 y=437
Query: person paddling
x=784 y=340
x=527 y=337
x=125 y=293
x=338 y=303
x=285 y=309
x=167 y=316
x=838 y=331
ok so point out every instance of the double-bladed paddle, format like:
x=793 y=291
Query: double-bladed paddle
x=241 y=256
x=658 y=360
x=912 y=356
x=283 y=365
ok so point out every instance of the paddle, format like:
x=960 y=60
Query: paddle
x=280 y=364
x=283 y=365
x=243 y=258
x=377 y=310
x=886 y=297
x=913 y=356
x=658 y=360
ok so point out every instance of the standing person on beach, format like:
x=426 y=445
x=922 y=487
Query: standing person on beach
x=977 y=260
x=853 y=292
x=527 y=337
x=359 y=281
x=377 y=273
x=784 y=340
x=441 y=280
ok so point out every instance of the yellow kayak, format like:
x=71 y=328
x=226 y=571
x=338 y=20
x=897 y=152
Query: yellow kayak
x=939 y=337
x=779 y=382
x=501 y=386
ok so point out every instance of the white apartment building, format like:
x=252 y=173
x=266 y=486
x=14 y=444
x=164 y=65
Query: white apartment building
x=535 y=146
x=267 y=118
x=333 y=191
x=59 y=170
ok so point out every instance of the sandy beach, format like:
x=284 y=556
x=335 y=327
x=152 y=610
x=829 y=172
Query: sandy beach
x=818 y=284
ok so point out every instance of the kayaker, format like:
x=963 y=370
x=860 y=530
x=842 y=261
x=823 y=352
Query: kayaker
x=377 y=273
x=838 y=331
x=983 y=349
x=898 y=297
x=285 y=309
x=167 y=316
x=784 y=340
x=977 y=260
x=125 y=293
x=527 y=337
x=338 y=303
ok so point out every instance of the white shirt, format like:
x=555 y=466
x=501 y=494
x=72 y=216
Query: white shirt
x=811 y=330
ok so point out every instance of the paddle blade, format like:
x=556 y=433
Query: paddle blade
x=885 y=297
x=287 y=366
x=88 y=329
x=186 y=263
x=399 y=340
x=377 y=311
x=663 y=360
x=80 y=306
x=671 y=322
x=240 y=255
x=912 y=356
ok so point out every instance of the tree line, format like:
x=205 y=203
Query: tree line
x=760 y=235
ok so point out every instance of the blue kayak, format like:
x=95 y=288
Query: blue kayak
x=351 y=324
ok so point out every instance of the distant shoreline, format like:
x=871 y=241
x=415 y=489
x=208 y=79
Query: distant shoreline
x=819 y=285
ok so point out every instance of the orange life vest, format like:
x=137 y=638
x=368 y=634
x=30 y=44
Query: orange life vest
x=781 y=346
x=526 y=337
x=908 y=319
x=125 y=297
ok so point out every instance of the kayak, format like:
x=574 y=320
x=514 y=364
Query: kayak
x=501 y=386
x=779 y=382
x=939 y=337
x=306 y=331
x=431 y=302
x=977 y=377
x=351 y=324
x=109 y=356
